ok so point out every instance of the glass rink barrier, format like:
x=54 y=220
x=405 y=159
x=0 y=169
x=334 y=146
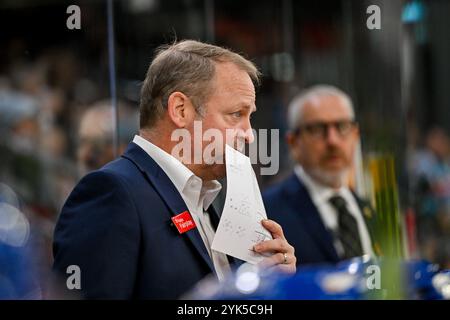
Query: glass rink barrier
x=355 y=279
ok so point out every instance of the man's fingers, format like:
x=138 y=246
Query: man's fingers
x=271 y=246
x=284 y=254
x=274 y=228
x=280 y=261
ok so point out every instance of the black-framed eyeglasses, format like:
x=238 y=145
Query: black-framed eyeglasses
x=320 y=129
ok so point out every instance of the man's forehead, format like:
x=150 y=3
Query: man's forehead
x=231 y=78
x=231 y=72
x=326 y=106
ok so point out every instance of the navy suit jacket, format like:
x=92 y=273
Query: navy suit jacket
x=290 y=204
x=116 y=226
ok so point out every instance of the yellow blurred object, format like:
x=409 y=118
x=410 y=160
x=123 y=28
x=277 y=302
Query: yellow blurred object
x=384 y=197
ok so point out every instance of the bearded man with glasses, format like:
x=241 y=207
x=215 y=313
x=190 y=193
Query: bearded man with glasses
x=321 y=216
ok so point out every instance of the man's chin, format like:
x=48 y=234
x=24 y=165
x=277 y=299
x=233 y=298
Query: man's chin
x=331 y=178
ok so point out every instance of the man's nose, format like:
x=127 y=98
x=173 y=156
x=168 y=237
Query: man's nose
x=248 y=132
x=332 y=135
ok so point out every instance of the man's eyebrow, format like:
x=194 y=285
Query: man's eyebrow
x=252 y=108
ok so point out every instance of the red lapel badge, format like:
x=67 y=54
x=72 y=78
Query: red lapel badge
x=183 y=222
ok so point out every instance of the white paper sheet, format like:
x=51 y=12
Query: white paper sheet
x=240 y=226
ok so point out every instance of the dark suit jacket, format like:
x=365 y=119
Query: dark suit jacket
x=290 y=204
x=116 y=226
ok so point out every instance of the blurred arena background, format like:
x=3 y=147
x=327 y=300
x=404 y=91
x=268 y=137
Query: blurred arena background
x=57 y=115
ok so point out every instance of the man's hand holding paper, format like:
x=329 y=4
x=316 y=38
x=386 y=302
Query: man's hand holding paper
x=244 y=231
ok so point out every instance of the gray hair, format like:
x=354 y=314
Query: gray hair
x=189 y=67
x=295 y=109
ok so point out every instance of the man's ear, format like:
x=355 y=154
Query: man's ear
x=180 y=109
x=290 y=139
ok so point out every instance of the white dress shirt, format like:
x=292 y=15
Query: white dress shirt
x=320 y=195
x=197 y=195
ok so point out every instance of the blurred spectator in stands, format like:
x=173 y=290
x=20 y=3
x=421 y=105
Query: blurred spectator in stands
x=430 y=168
x=95 y=134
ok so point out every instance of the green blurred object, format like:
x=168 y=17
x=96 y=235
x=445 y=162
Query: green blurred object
x=386 y=225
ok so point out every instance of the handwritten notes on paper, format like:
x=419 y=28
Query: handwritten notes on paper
x=240 y=224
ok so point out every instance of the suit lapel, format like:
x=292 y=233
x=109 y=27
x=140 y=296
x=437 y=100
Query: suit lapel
x=168 y=193
x=302 y=204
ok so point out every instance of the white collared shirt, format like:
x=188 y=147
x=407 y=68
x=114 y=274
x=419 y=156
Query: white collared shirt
x=321 y=195
x=197 y=195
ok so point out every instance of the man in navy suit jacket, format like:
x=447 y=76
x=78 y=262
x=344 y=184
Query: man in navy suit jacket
x=321 y=217
x=142 y=226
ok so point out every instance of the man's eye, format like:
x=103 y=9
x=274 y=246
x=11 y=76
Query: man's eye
x=316 y=129
x=237 y=114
